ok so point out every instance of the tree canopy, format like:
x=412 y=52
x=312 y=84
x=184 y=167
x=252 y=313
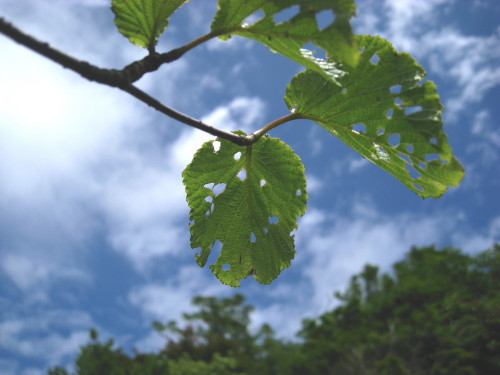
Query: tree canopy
x=436 y=312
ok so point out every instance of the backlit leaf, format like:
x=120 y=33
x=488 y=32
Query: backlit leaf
x=143 y=21
x=249 y=200
x=288 y=37
x=383 y=111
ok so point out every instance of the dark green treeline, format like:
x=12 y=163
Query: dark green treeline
x=437 y=312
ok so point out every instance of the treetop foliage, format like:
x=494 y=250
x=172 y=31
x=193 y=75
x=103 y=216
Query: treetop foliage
x=435 y=313
x=359 y=88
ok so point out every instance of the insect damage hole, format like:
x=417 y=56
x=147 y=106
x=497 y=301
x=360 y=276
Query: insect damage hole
x=215 y=252
x=286 y=14
x=374 y=59
x=413 y=109
x=394 y=139
x=412 y=171
x=219 y=188
x=388 y=113
x=358 y=128
x=252 y=237
x=237 y=156
x=262 y=182
x=226 y=267
x=273 y=219
x=396 y=89
x=216 y=146
x=242 y=174
x=253 y=18
x=324 y=18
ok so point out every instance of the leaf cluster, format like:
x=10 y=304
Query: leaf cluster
x=358 y=87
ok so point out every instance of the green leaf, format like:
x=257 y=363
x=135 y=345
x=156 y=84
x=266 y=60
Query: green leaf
x=384 y=112
x=143 y=21
x=252 y=217
x=290 y=36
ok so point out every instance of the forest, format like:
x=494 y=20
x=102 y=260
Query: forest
x=437 y=311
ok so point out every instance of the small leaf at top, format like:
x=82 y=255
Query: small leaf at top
x=249 y=203
x=289 y=36
x=383 y=110
x=143 y=21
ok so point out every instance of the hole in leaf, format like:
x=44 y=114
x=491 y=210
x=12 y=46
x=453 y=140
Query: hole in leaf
x=412 y=171
x=216 y=145
x=405 y=158
x=344 y=90
x=422 y=165
x=396 y=89
x=219 y=188
x=209 y=186
x=286 y=14
x=252 y=237
x=362 y=49
x=413 y=109
x=273 y=219
x=242 y=174
x=298 y=193
x=324 y=18
x=266 y=230
x=212 y=207
x=209 y=198
x=237 y=156
x=389 y=113
x=225 y=267
x=409 y=148
x=433 y=140
x=397 y=101
x=207 y=213
x=374 y=59
x=262 y=182
x=253 y=18
x=293 y=109
x=215 y=251
x=359 y=128
x=418 y=187
x=429 y=157
x=380 y=131
x=394 y=139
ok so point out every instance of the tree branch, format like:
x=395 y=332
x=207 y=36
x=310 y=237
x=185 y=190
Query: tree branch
x=111 y=77
x=179 y=116
x=123 y=79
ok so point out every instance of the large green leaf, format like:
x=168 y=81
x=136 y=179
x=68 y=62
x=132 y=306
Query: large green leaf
x=253 y=216
x=289 y=37
x=143 y=21
x=384 y=111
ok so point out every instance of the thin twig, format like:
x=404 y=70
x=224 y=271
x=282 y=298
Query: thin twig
x=279 y=121
x=179 y=116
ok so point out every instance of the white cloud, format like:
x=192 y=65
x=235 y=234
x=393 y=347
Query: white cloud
x=34 y=337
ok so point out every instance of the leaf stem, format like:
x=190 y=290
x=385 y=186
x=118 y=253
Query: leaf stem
x=271 y=125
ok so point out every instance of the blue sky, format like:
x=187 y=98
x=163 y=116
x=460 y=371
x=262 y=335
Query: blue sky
x=93 y=218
